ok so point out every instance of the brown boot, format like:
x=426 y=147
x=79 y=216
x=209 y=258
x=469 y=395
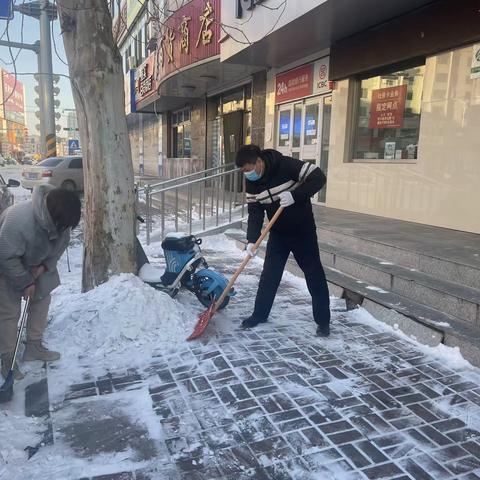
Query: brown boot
x=6 y=362
x=35 y=350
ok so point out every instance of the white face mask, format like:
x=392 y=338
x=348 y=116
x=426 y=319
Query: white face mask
x=252 y=175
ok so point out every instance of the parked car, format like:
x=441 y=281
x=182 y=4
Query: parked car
x=64 y=172
x=6 y=196
x=2 y=161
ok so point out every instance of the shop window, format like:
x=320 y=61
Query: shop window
x=233 y=102
x=388 y=116
x=311 y=123
x=181 y=134
x=284 y=128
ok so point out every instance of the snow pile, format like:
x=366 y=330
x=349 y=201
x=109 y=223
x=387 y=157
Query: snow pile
x=123 y=315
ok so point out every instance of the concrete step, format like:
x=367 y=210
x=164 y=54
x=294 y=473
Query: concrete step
x=421 y=322
x=451 y=298
x=431 y=262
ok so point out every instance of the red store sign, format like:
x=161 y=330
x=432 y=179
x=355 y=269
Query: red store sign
x=388 y=107
x=294 y=84
x=188 y=36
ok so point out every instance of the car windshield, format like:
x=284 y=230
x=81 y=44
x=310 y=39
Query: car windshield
x=50 y=162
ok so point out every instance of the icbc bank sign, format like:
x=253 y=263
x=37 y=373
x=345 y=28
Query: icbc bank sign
x=311 y=79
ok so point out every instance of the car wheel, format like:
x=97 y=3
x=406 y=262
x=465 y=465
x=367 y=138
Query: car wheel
x=69 y=185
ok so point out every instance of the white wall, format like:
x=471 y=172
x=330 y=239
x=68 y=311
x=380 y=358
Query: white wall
x=259 y=22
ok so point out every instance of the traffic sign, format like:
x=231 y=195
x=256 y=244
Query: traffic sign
x=6 y=9
x=73 y=146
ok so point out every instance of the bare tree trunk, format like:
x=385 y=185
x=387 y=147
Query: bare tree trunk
x=96 y=76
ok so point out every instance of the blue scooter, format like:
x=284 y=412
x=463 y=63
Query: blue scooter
x=186 y=267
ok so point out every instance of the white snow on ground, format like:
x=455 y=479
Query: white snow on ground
x=122 y=316
x=120 y=324
x=450 y=356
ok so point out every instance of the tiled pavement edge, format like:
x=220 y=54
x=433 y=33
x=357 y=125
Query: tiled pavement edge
x=277 y=403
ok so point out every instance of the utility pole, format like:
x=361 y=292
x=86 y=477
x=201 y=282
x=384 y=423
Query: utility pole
x=45 y=12
x=46 y=87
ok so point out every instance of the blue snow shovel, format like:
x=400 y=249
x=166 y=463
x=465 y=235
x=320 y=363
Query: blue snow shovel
x=6 y=390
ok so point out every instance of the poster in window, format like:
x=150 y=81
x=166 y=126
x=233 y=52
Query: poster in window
x=388 y=107
x=285 y=126
x=475 y=69
x=389 y=151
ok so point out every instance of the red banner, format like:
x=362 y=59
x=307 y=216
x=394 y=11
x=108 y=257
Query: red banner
x=388 y=107
x=13 y=107
x=188 y=36
x=294 y=84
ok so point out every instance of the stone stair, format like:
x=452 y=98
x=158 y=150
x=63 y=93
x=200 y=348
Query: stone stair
x=423 y=288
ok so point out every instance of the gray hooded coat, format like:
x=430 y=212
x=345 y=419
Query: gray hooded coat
x=28 y=238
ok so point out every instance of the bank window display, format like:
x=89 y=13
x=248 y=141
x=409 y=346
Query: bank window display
x=284 y=128
x=388 y=116
x=181 y=134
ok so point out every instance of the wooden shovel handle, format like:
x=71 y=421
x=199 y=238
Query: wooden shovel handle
x=247 y=258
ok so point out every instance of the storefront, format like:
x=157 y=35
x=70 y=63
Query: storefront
x=303 y=106
x=404 y=131
x=189 y=100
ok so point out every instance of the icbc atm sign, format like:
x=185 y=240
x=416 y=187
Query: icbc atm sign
x=243 y=5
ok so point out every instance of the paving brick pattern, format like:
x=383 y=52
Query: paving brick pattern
x=278 y=403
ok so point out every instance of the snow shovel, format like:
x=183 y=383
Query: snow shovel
x=6 y=390
x=205 y=317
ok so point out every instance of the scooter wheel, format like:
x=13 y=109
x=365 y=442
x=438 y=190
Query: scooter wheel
x=206 y=299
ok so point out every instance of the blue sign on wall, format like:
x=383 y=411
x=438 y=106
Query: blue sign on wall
x=73 y=146
x=6 y=9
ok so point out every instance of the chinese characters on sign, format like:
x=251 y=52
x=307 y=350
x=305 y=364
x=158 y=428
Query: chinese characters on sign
x=189 y=35
x=185 y=32
x=206 y=21
x=170 y=37
x=145 y=83
x=311 y=79
x=296 y=83
x=145 y=80
x=387 y=107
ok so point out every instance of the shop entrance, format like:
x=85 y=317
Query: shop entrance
x=303 y=132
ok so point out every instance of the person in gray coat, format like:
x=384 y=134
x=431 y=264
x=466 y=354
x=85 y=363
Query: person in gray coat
x=33 y=237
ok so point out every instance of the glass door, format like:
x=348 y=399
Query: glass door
x=284 y=134
x=303 y=132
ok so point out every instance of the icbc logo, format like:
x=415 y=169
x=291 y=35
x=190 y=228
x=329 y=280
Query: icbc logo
x=322 y=71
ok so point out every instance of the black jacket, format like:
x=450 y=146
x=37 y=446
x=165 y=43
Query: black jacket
x=282 y=174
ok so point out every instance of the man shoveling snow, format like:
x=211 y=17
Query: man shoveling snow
x=33 y=237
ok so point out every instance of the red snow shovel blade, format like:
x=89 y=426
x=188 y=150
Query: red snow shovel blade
x=202 y=322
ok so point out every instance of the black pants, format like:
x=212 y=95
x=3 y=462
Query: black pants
x=305 y=250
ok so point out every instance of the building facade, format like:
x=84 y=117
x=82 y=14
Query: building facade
x=383 y=96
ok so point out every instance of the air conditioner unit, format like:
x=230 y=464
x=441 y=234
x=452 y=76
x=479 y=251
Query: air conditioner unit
x=131 y=63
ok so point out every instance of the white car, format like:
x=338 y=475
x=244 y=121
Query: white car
x=64 y=172
x=6 y=197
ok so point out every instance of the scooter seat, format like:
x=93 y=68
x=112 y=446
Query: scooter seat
x=150 y=274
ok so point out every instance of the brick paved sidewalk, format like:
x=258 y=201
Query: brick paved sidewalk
x=278 y=403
